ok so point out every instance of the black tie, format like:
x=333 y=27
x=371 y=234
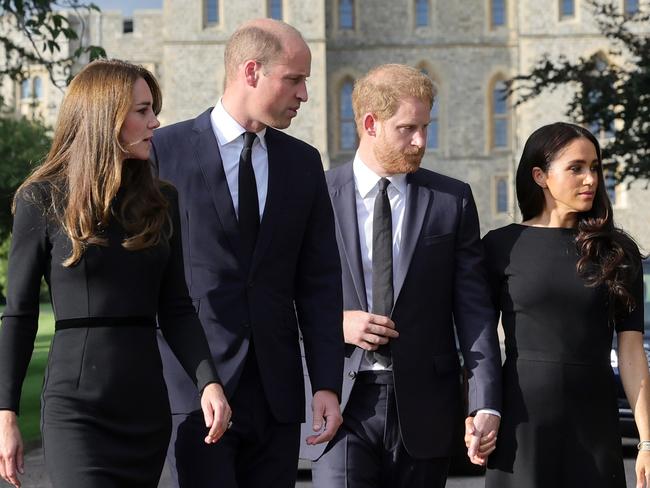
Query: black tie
x=249 y=210
x=382 y=264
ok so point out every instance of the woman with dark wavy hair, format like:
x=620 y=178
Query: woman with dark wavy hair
x=564 y=280
x=105 y=235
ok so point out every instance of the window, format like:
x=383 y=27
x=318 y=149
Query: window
x=421 y=13
x=25 y=92
x=432 y=130
x=38 y=88
x=211 y=11
x=502 y=202
x=127 y=26
x=346 y=14
x=347 y=127
x=499 y=116
x=567 y=8
x=630 y=7
x=275 y=9
x=498 y=11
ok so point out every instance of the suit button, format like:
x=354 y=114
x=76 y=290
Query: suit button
x=250 y=284
x=246 y=325
x=352 y=374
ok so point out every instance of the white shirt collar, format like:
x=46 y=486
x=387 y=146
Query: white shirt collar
x=228 y=129
x=366 y=179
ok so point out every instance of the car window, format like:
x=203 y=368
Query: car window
x=646 y=295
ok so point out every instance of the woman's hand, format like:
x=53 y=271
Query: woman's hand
x=487 y=443
x=11 y=448
x=643 y=469
x=216 y=412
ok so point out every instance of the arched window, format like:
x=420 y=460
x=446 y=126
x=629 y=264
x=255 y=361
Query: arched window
x=38 y=88
x=346 y=14
x=25 y=91
x=499 y=116
x=347 y=127
x=630 y=7
x=275 y=9
x=434 y=126
x=421 y=13
x=498 y=12
x=502 y=195
x=567 y=8
x=211 y=11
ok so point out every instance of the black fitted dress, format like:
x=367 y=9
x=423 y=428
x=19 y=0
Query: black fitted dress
x=560 y=420
x=105 y=413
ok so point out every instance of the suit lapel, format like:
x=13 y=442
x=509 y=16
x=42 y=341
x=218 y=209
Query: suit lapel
x=345 y=207
x=417 y=204
x=274 y=196
x=209 y=160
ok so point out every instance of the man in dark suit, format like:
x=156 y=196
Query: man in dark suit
x=260 y=262
x=411 y=258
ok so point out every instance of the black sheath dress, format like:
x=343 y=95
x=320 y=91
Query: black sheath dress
x=105 y=413
x=560 y=420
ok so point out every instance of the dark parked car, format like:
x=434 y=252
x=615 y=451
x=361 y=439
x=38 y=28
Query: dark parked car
x=626 y=418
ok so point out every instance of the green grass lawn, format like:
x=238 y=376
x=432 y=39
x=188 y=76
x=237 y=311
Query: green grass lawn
x=30 y=402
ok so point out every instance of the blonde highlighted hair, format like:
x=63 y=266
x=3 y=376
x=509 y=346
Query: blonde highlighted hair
x=380 y=91
x=86 y=164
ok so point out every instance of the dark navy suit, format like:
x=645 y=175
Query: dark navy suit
x=439 y=282
x=294 y=279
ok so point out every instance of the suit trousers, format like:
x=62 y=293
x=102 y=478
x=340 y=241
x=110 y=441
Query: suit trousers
x=256 y=451
x=367 y=451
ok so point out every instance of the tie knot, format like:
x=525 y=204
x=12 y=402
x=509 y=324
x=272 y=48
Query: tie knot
x=383 y=184
x=249 y=138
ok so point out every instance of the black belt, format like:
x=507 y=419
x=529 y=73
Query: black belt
x=105 y=322
x=370 y=377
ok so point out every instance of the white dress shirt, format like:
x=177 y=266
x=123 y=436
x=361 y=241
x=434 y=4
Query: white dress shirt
x=365 y=182
x=230 y=138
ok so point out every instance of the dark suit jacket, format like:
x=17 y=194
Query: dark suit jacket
x=294 y=278
x=440 y=281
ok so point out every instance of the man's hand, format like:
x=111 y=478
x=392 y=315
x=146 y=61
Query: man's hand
x=481 y=436
x=327 y=416
x=11 y=448
x=367 y=330
x=216 y=412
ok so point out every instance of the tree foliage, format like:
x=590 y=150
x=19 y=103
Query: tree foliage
x=23 y=144
x=35 y=31
x=612 y=89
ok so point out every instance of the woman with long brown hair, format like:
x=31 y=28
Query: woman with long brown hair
x=564 y=280
x=105 y=235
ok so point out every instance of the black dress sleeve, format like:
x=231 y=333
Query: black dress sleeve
x=494 y=273
x=634 y=320
x=177 y=318
x=28 y=258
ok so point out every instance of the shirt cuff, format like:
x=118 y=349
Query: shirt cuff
x=490 y=411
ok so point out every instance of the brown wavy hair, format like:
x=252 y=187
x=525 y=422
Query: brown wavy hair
x=86 y=165
x=608 y=256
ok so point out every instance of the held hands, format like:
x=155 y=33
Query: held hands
x=367 y=330
x=11 y=448
x=481 y=436
x=643 y=469
x=216 y=412
x=327 y=416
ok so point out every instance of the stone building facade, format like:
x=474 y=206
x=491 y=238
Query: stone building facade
x=468 y=48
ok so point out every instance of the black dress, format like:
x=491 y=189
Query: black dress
x=560 y=420
x=105 y=414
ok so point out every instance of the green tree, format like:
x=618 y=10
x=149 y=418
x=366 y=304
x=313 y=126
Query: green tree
x=23 y=144
x=33 y=31
x=611 y=94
